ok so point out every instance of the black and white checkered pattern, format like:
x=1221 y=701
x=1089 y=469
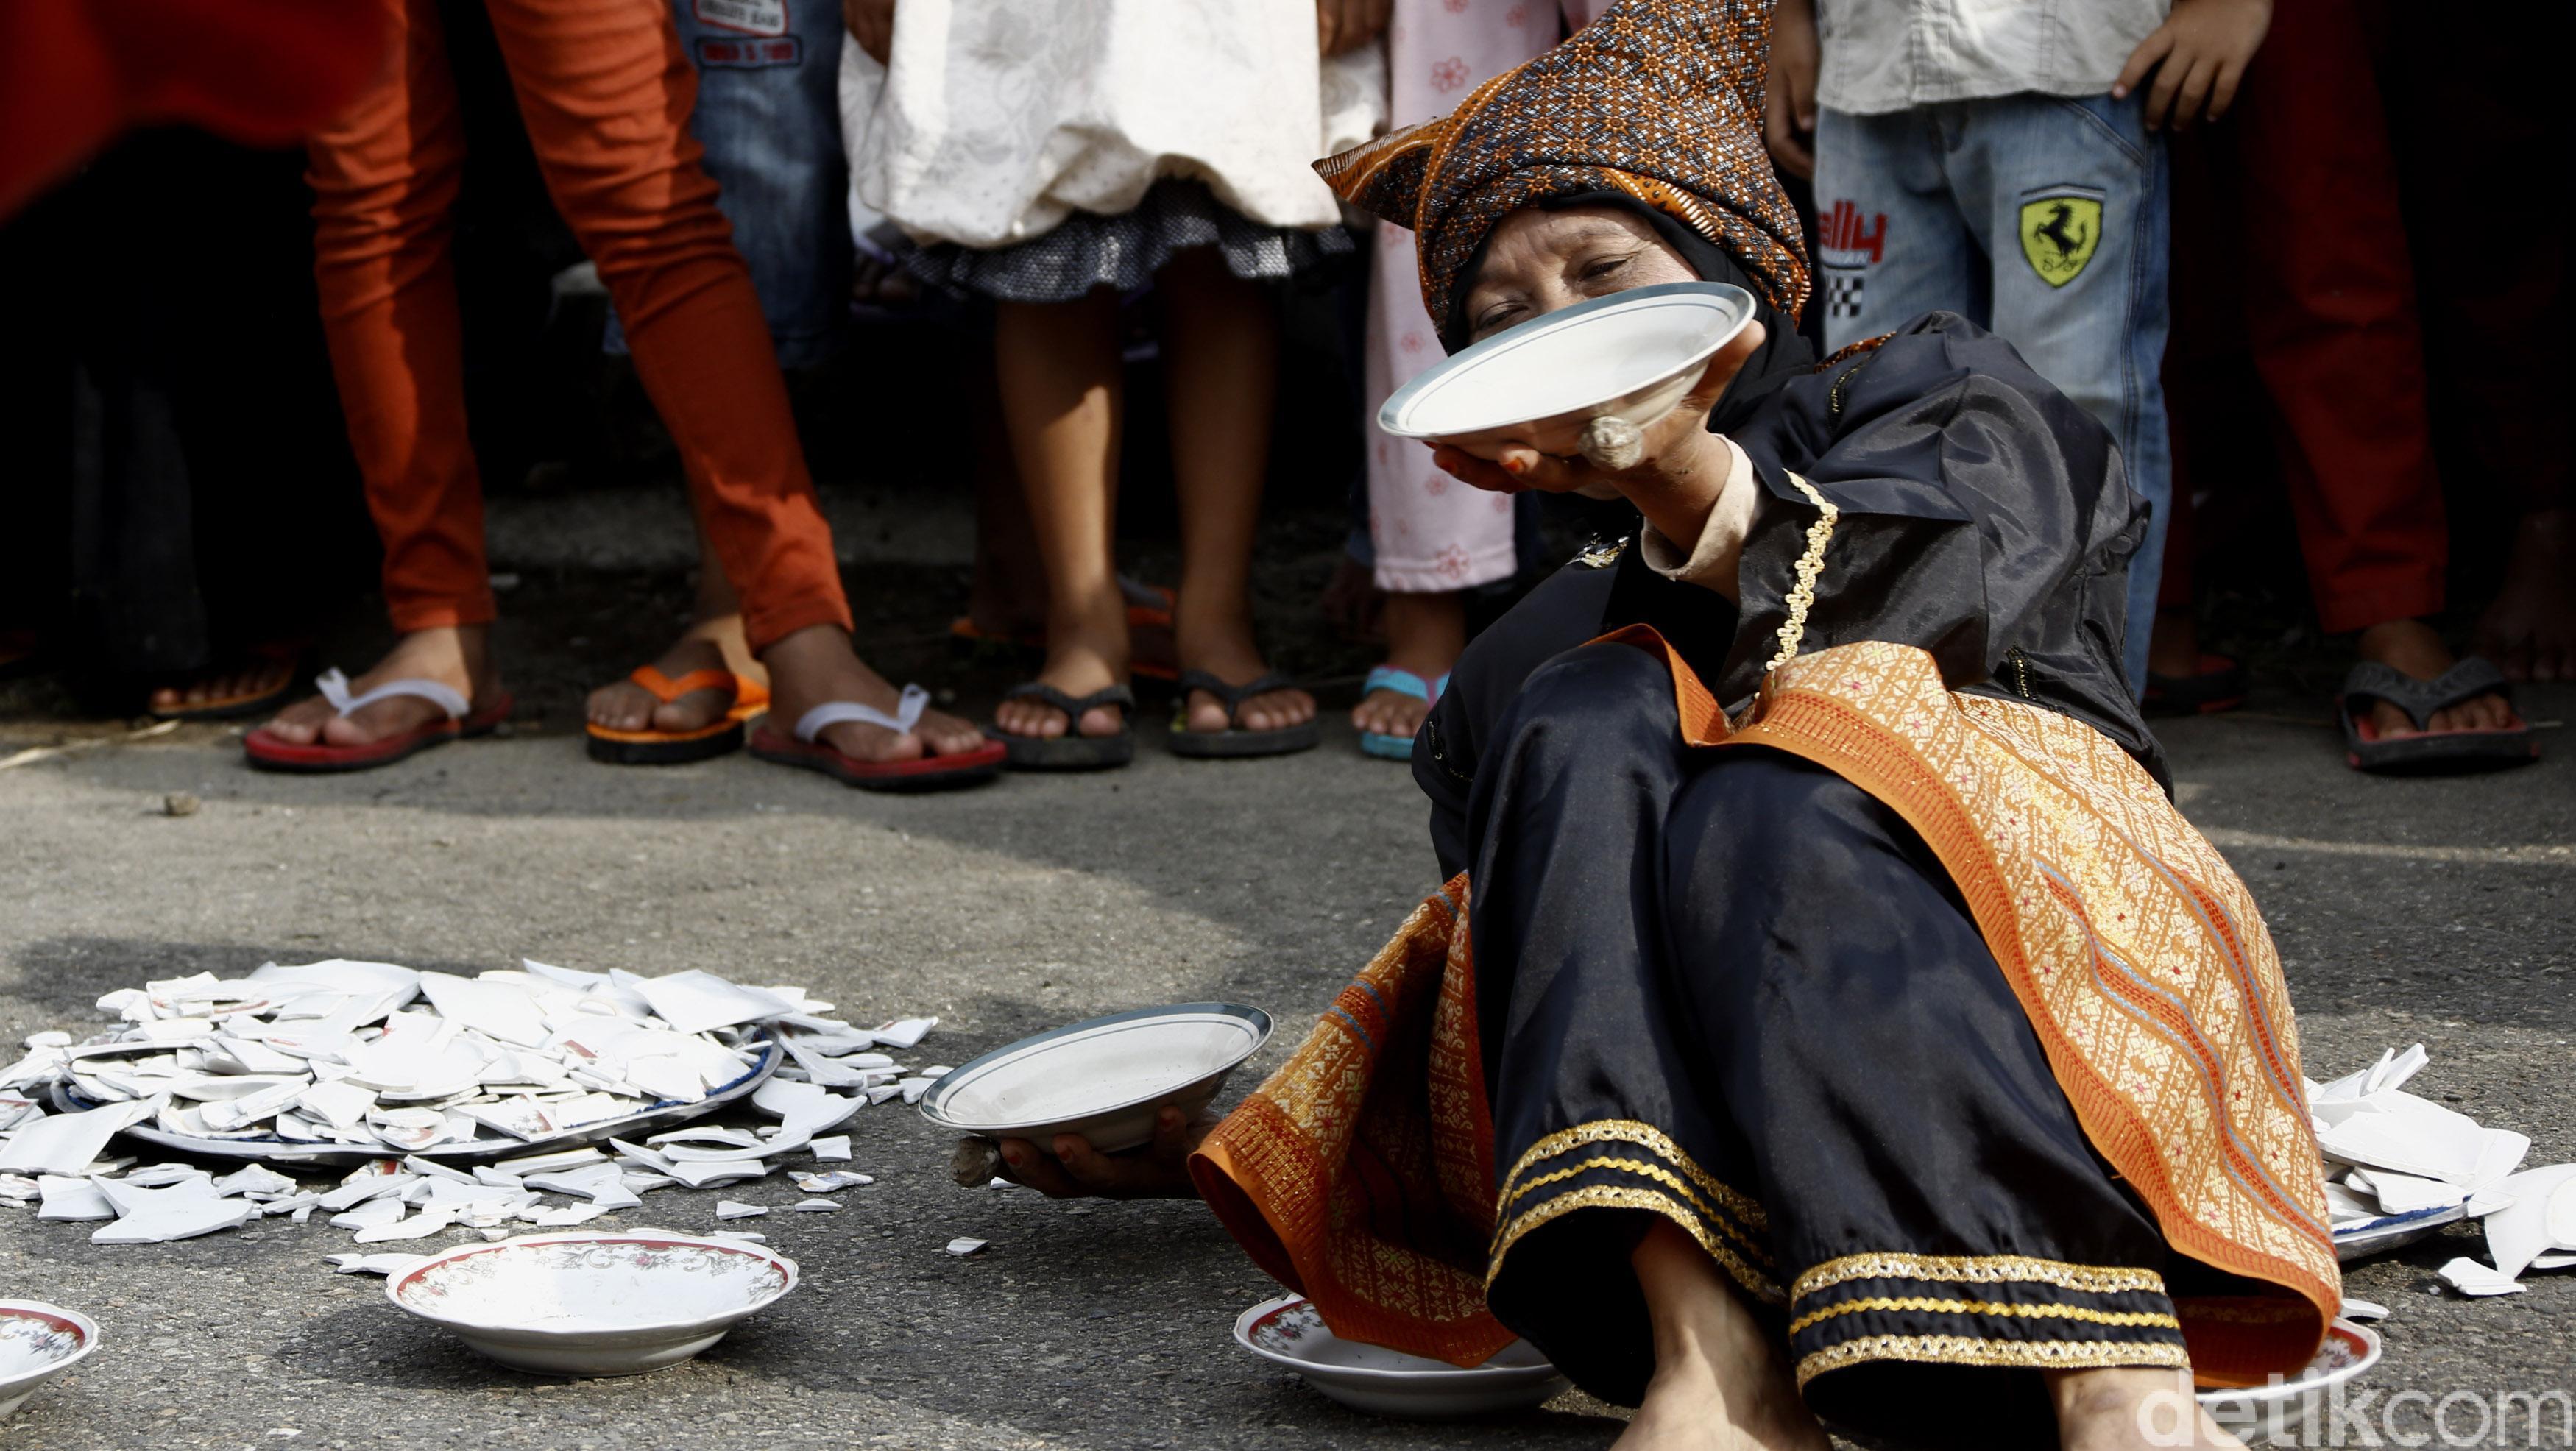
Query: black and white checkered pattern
x=1842 y=290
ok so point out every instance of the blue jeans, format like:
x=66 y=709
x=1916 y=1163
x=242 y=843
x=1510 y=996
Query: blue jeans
x=2042 y=218
x=769 y=117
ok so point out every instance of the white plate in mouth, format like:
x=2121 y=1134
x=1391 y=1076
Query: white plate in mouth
x=38 y=1342
x=2275 y=1413
x=1632 y=353
x=593 y=1304
x=268 y=1148
x=1290 y=1331
x=1103 y=1079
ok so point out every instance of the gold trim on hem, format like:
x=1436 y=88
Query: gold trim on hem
x=2016 y=1354
x=1976 y=1270
x=1660 y=1175
x=1617 y=1196
x=1644 y=1135
x=2043 y=1311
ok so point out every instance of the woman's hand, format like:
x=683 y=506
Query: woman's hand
x=1078 y=1171
x=1676 y=479
x=871 y=24
x=1343 y=25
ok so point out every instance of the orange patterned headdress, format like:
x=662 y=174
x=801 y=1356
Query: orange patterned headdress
x=1660 y=100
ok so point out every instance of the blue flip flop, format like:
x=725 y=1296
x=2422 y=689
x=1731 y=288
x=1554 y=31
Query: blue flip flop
x=1402 y=682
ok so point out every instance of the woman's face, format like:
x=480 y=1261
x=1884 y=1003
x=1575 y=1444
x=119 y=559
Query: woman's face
x=1538 y=261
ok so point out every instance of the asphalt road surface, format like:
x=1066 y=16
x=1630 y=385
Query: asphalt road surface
x=2434 y=911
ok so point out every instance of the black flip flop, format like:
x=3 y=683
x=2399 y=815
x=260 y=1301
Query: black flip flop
x=1234 y=742
x=1071 y=751
x=2219 y=684
x=2365 y=750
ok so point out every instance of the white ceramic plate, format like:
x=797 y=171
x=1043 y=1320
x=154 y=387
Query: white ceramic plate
x=1103 y=1079
x=2379 y=1235
x=274 y=1150
x=2277 y=1413
x=1633 y=353
x=38 y=1342
x=593 y=1304
x=1289 y=1331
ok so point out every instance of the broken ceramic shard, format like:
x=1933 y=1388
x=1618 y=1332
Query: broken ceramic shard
x=154 y=1216
x=962 y=1246
x=70 y=1198
x=2471 y=1278
x=835 y=1150
x=812 y=1206
x=376 y=1264
x=827 y=1183
x=730 y=1209
x=66 y=1143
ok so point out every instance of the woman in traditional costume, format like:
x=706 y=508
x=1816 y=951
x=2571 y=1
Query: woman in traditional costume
x=1853 y=1031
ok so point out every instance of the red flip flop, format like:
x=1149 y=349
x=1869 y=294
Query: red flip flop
x=928 y=773
x=268 y=752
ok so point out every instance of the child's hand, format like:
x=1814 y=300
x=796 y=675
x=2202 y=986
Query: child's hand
x=1789 y=102
x=1342 y=25
x=871 y=24
x=2199 y=54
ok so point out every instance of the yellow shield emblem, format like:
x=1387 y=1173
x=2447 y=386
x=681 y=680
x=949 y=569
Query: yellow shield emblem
x=2059 y=234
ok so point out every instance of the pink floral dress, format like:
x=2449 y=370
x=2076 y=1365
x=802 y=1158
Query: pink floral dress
x=1432 y=533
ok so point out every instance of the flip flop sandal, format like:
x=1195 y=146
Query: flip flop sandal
x=2366 y=750
x=269 y=752
x=650 y=747
x=1149 y=607
x=2219 y=684
x=233 y=707
x=1234 y=742
x=1402 y=682
x=1072 y=751
x=928 y=773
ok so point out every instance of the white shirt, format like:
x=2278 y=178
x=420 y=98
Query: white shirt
x=1893 y=55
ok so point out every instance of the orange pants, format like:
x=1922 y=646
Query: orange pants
x=606 y=94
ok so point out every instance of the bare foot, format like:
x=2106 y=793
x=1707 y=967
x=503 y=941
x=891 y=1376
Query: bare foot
x=1425 y=634
x=269 y=670
x=1720 y=1383
x=2173 y=650
x=2132 y=1409
x=1082 y=656
x=710 y=644
x=1224 y=649
x=816 y=665
x=2415 y=648
x=456 y=656
x=2530 y=630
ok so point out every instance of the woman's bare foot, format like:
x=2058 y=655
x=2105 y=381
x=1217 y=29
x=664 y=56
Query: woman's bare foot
x=2132 y=1408
x=2530 y=630
x=456 y=656
x=816 y=665
x=1720 y=1383
x=1425 y=634
x=708 y=644
x=2414 y=648
x=268 y=670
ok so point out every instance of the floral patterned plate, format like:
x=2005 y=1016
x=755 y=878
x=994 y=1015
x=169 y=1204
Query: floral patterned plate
x=38 y=1342
x=2276 y=1413
x=593 y=1304
x=1290 y=1331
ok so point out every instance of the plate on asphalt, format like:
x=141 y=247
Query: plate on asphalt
x=274 y=1150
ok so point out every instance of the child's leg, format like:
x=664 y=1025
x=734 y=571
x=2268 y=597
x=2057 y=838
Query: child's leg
x=1059 y=370
x=2070 y=198
x=1221 y=368
x=1891 y=243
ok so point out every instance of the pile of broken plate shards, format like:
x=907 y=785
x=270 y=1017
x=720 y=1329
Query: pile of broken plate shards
x=462 y=1101
x=2399 y=1167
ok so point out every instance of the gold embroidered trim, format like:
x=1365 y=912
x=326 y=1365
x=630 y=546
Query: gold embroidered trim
x=1810 y=565
x=1977 y=1270
x=1660 y=1175
x=1620 y=1196
x=2087 y=1313
x=1968 y=1350
x=1645 y=1135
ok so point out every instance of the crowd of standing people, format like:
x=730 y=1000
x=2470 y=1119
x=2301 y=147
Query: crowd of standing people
x=2124 y=192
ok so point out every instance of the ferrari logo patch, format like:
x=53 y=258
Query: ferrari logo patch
x=2060 y=233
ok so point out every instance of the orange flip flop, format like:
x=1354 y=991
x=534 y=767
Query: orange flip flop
x=672 y=748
